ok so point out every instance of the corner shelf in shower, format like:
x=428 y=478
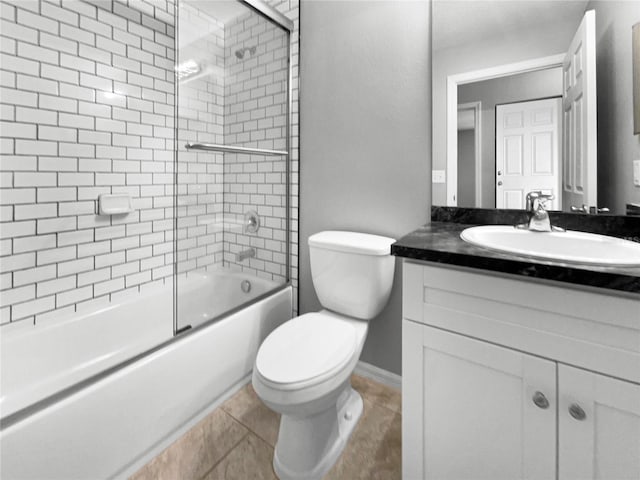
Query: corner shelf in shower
x=213 y=147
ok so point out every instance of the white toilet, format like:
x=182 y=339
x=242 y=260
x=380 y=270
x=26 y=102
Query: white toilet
x=303 y=367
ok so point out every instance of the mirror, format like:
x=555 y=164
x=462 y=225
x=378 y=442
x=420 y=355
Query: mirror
x=502 y=62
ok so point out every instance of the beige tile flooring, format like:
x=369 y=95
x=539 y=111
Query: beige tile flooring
x=235 y=441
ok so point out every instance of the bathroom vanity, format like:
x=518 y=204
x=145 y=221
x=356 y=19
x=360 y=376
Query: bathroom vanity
x=515 y=368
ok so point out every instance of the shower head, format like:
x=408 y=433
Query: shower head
x=240 y=53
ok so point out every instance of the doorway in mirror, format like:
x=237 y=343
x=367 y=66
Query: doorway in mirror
x=528 y=140
x=574 y=167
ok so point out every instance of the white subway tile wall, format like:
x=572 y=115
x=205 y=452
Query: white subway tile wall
x=200 y=119
x=255 y=116
x=88 y=108
x=235 y=101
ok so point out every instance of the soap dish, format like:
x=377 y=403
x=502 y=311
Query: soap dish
x=114 y=204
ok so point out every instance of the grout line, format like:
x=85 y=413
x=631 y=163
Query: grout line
x=243 y=423
x=249 y=428
x=226 y=454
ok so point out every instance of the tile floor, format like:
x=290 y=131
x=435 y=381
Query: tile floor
x=235 y=442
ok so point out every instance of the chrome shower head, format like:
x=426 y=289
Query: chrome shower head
x=240 y=53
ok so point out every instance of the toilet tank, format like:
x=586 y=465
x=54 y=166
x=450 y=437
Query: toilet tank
x=352 y=272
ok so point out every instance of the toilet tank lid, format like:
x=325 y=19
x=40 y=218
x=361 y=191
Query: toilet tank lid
x=352 y=242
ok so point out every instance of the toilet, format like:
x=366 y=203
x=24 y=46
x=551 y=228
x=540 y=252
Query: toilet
x=303 y=368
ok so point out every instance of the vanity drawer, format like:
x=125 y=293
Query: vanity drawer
x=583 y=328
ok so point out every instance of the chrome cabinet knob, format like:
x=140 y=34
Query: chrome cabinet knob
x=577 y=412
x=540 y=400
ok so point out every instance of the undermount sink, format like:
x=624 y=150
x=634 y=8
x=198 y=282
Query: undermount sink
x=569 y=246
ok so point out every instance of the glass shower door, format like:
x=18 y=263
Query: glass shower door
x=232 y=228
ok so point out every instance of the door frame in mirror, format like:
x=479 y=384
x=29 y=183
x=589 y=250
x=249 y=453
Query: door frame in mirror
x=476 y=109
x=452 y=107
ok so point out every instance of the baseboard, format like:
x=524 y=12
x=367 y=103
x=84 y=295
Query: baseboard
x=378 y=374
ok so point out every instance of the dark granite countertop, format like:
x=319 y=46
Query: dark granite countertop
x=440 y=242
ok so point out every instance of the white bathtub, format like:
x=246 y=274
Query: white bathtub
x=64 y=419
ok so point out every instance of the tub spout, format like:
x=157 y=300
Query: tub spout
x=244 y=254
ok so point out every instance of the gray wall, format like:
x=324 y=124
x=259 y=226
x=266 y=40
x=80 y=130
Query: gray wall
x=514 y=88
x=617 y=145
x=365 y=119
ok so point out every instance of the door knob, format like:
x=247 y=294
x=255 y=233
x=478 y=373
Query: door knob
x=540 y=400
x=499 y=182
x=577 y=412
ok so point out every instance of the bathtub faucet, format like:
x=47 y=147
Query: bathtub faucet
x=244 y=254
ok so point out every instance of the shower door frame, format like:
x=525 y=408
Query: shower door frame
x=287 y=25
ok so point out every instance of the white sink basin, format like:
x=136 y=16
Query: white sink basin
x=569 y=246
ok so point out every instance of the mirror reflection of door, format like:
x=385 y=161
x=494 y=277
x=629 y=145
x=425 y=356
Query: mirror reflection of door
x=528 y=145
x=520 y=82
x=580 y=167
x=522 y=87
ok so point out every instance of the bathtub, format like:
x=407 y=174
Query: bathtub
x=98 y=394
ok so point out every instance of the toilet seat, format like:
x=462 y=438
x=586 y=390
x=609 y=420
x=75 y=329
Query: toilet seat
x=306 y=350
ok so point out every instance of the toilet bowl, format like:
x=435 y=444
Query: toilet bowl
x=303 y=368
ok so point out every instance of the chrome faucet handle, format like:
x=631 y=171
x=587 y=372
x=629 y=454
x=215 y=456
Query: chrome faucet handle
x=538 y=203
x=539 y=219
x=531 y=198
x=591 y=210
x=582 y=209
x=543 y=199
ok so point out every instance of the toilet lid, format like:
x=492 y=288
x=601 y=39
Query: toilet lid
x=304 y=348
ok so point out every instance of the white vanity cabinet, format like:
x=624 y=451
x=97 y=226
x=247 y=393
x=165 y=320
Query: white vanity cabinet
x=507 y=379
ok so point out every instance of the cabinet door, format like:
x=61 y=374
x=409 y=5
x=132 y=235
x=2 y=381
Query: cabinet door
x=599 y=426
x=479 y=419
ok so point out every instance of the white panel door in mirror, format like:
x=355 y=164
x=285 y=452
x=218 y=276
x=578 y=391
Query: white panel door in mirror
x=528 y=140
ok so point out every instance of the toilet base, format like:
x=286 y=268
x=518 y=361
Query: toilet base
x=309 y=446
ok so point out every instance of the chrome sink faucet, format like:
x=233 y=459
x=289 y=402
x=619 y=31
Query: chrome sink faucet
x=539 y=219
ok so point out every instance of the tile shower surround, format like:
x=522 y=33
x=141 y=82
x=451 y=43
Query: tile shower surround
x=66 y=138
x=87 y=108
x=255 y=115
x=200 y=119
